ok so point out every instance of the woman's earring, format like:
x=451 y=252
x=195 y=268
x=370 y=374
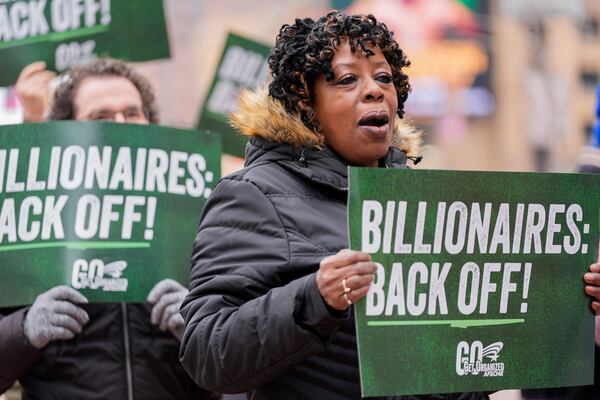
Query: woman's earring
x=314 y=122
x=317 y=127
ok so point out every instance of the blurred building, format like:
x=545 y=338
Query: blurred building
x=547 y=62
x=545 y=65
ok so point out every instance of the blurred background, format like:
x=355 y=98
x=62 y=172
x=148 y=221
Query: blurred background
x=505 y=85
x=497 y=84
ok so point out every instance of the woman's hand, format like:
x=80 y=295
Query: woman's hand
x=592 y=279
x=345 y=277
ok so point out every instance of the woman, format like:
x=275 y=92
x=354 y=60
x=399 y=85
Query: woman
x=269 y=307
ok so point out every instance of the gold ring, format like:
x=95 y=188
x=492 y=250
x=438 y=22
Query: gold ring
x=347 y=299
x=346 y=288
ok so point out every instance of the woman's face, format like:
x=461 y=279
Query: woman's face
x=357 y=108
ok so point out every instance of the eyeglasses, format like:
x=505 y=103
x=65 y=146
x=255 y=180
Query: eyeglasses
x=132 y=114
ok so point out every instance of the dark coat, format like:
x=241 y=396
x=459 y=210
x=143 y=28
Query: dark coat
x=255 y=320
x=94 y=364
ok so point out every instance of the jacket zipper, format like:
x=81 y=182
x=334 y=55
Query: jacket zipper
x=127 y=345
x=338 y=188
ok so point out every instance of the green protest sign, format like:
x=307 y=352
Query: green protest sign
x=479 y=282
x=108 y=209
x=65 y=33
x=243 y=65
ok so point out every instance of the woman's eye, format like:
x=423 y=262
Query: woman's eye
x=346 y=80
x=385 y=78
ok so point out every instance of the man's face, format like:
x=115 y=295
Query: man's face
x=108 y=98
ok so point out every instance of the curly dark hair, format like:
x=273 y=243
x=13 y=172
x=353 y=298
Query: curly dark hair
x=62 y=107
x=305 y=49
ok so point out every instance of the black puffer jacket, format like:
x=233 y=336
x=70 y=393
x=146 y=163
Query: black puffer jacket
x=118 y=355
x=255 y=320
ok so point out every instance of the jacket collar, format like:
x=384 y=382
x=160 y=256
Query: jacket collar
x=319 y=165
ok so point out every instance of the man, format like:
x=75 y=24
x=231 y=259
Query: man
x=62 y=347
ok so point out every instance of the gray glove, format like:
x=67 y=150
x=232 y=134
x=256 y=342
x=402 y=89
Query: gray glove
x=167 y=297
x=54 y=316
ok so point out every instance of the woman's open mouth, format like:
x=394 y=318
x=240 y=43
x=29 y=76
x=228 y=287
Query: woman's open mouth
x=375 y=123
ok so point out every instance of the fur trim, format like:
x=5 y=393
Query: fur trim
x=261 y=115
x=407 y=138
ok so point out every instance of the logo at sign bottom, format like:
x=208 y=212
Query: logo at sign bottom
x=474 y=359
x=96 y=275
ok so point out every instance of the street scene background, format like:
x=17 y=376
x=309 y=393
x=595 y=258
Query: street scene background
x=498 y=85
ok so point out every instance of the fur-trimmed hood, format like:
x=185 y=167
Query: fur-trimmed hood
x=260 y=115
